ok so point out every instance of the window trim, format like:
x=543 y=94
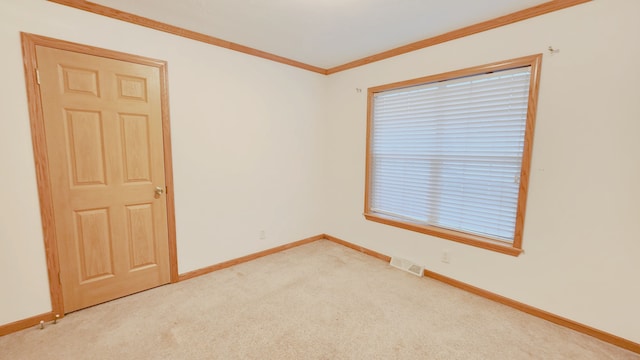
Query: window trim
x=514 y=248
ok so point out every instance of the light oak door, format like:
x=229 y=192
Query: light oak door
x=104 y=141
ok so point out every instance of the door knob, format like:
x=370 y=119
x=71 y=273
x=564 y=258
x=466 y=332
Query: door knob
x=158 y=191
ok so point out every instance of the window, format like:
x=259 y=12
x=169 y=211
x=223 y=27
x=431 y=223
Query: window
x=448 y=155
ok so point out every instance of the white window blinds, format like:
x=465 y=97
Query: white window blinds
x=449 y=154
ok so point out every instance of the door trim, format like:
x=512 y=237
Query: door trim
x=29 y=43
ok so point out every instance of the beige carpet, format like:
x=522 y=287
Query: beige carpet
x=317 y=301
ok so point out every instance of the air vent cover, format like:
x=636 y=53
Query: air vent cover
x=406 y=265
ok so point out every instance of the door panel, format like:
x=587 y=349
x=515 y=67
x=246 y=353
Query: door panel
x=94 y=244
x=135 y=133
x=103 y=129
x=85 y=145
x=140 y=236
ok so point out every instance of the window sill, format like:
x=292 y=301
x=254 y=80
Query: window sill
x=464 y=238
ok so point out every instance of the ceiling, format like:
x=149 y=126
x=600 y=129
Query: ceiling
x=321 y=33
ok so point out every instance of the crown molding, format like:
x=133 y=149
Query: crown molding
x=544 y=8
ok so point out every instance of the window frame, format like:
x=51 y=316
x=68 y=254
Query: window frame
x=513 y=249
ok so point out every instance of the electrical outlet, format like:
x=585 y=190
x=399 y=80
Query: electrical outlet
x=263 y=234
x=446 y=256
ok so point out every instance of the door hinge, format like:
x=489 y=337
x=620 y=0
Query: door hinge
x=38 y=76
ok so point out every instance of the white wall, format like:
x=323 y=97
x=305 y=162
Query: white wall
x=246 y=136
x=582 y=230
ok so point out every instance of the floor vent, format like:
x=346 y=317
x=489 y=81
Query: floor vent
x=406 y=265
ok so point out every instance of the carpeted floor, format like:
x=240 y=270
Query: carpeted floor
x=316 y=301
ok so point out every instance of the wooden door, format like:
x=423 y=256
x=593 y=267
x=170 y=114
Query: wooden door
x=104 y=143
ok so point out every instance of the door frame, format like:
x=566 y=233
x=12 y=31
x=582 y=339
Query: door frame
x=36 y=115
